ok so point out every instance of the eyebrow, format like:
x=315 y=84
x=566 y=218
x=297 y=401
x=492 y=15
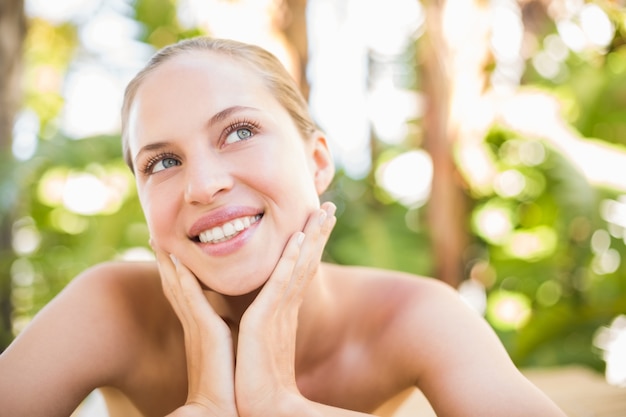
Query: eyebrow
x=216 y=118
x=224 y=114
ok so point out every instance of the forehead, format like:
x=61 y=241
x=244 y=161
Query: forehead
x=188 y=89
x=204 y=72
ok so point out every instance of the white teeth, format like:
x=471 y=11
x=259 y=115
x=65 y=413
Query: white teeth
x=205 y=236
x=227 y=230
x=217 y=233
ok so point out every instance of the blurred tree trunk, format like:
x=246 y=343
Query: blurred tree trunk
x=292 y=25
x=453 y=55
x=280 y=27
x=12 y=33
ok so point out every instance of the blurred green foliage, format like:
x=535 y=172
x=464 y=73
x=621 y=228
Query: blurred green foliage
x=561 y=294
x=68 y=242
x=569 y=300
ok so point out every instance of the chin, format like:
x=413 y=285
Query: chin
x=233 y=283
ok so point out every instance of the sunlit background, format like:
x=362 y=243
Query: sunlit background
x=534 y=140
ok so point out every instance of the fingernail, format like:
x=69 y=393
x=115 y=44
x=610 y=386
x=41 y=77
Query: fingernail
x=323 y=216
x=174 y=259
x=300 y=238
x=332 y=208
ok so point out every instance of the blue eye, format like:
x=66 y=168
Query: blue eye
x=164 y=163
x=238 y=135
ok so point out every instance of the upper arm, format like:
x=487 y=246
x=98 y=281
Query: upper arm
x=460 y=364
x=75 y=344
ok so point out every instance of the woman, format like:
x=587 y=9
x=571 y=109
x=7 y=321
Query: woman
x=238 y=316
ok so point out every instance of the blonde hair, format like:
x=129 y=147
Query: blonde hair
x=266 y=65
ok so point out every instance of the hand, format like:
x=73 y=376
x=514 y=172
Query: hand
x=265 y=373
x=208 y=343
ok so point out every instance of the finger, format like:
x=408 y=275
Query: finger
x=300 y=259
x=169 y=282
x=317 y=232
x=278 y=283
x=184 y=293
x=328 y=226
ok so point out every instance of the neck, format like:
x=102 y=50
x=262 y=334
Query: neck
x=316 y=312
x=231 y=307
x=319 y=323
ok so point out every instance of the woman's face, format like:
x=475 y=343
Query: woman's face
x=223 y=176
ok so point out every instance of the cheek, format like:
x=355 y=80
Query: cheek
x=160 y=216
x=290 y=186
x=293 y=175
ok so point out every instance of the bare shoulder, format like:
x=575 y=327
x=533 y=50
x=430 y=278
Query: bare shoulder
x=107 y=302
x=403 y=293
x=127 y=293
x=120 y=275
x=423 y=313
x=127 y=286
x=441 y=345
x=87 y=336
x=404 y=311
x=125 y=300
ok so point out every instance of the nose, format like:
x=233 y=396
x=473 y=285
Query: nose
x=206 y=178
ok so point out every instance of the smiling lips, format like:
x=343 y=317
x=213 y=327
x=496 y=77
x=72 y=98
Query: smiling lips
x=228 y=230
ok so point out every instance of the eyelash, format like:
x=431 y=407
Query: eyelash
x=240 y=124
x=150 y=163
x=232 y=127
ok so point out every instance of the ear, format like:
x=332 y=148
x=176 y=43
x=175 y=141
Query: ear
x=323 y=165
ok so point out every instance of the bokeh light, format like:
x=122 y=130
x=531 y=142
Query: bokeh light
x=25 y=135
x=612 y=341
x=84 y=193
x=510 y=183
x=93 y=103
x=549 y=293
x=407 y=177
x=61 y=11
x=493 y=222
x=532 y=244
x=508 y=310
x=26 y=237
